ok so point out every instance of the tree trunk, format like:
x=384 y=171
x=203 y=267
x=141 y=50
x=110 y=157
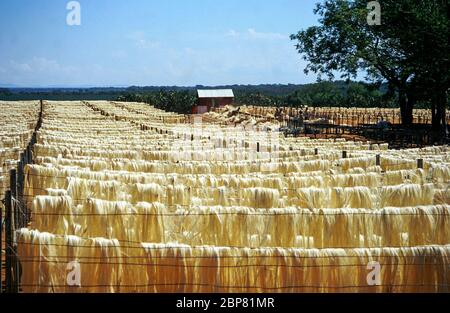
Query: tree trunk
x=411 y=102
x=439 y=102
x=441 y=110
x=434 y=118
x=406 y=108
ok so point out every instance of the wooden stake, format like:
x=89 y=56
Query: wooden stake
x=8 y=242
x=419 y=163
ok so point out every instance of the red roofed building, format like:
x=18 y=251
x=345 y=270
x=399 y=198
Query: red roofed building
x=212 y=98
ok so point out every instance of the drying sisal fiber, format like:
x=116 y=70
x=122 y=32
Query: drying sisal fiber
x=311 y=198
x=56 y=192
x=33 y=249
x=351 y=197
x=85 y=188
x=116 y=188
x=260 y=198
x=303 y=182
x=106 y=271
x=351 y=180
x=109 y=219
x=407 y=195
x=146 y=192
x=150 y=224
x=282 y=227
x=173 y=267
x=441 y=196
x=45 y=258
x=440 y=173
x=404 y=176
x=362 y=162
x=388 y=163
x=52 y=214
x=38 y=178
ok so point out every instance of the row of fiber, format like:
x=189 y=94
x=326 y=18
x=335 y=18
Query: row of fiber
x=108 y=265
x=243 y=226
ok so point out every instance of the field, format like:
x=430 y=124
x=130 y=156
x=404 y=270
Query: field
x=123 y=197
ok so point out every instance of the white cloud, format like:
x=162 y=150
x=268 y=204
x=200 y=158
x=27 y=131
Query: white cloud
x=140 y=39
x=251 y=33
x=260 y=35
x=39 y=71
x=147 y=44
x=39 y=64
x=232 y=33
x=20 y=67
x=245 y=56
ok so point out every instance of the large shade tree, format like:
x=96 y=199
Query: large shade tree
x=409 y=50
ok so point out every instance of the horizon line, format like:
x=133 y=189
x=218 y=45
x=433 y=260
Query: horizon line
x=8 y=86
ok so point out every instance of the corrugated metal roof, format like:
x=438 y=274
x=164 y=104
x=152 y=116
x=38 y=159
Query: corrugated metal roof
x=215 y=93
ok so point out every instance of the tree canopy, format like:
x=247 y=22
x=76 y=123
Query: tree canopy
x=397 y=52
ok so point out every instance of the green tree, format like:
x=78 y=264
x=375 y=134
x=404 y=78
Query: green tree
x=391 y=52
x=173 y=101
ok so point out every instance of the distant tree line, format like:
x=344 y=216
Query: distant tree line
x=169 y=100
x=181 y=99
x=327 y=93
x=5 y=92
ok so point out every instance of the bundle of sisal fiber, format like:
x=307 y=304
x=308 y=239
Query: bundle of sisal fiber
x=407 y=195
x=52 y=214
x=351 y=197
x=311 y=198
x=351 y=180
x=263 y=198
x=146 y=192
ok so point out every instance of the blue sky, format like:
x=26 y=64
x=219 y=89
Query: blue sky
x=149 y=42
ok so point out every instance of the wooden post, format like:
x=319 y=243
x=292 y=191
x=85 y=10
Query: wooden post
x=344 y=154
x=419 y=163
x=13 y=188
x=15 y=218
x=316 y=151
x=29 y=160
x=257 y=147
x=20 y=174
x=377 y=160
x=8 y=242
